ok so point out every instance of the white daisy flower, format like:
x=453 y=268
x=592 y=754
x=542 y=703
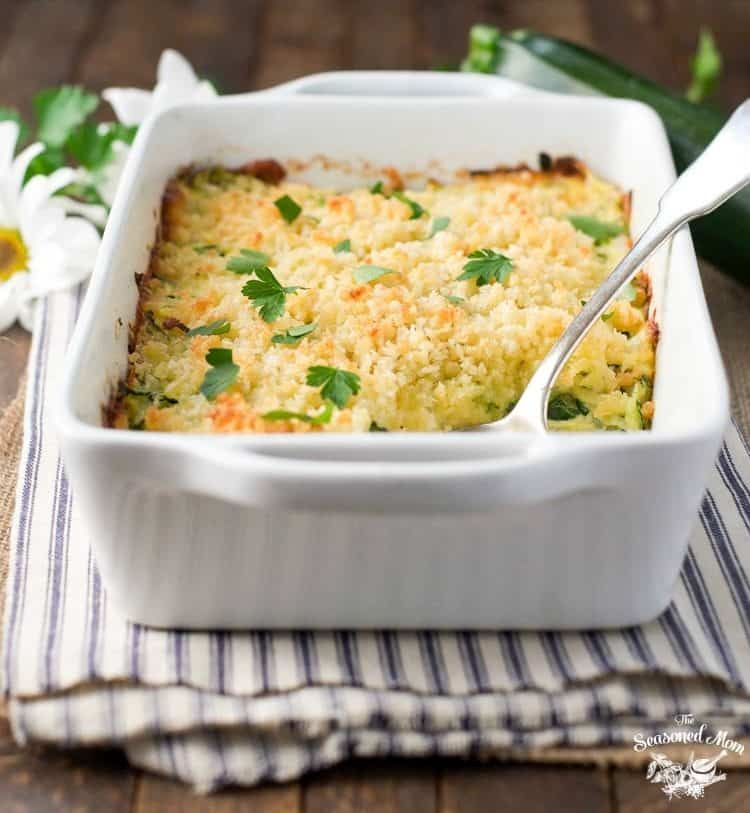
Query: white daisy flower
x=42 y=248
x=176 y=82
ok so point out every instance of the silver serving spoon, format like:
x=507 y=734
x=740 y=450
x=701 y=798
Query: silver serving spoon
x=721 y=171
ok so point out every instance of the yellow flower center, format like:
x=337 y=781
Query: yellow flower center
x=13 y=254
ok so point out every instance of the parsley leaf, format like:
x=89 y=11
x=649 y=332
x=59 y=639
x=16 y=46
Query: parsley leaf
x=267 y=294
x=316 y=420
x=486 y=266
x=289 y=208
x=91 y=147
x=705 y=67
x=46 y=163
x=293 y=335
x=454 y=300
x=598 y=230
x=222 y=374
x=248 y=262
x=438 y=224
x=11 y=114
x=377 y=188
x=416 y=209
x=344 y=245
x=369 y=273
x=203 y=248
x=213 y=329
x=60 y=110
x=564 y=406
x=337 y=385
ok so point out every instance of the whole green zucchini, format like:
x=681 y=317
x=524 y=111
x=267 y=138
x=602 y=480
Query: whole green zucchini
x=723 y=237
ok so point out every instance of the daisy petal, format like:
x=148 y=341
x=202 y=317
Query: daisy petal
x=174 y=69
x=47 y=270
x=91 y=211
x=21 y=164
x=38 y=212
x=8 y=138
x=131 y=105
x=80 y=240
x=11 y=293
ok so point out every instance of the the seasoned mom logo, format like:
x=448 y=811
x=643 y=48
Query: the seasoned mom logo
x=689 y=780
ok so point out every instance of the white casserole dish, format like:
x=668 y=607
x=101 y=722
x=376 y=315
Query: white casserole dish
x=446 y=530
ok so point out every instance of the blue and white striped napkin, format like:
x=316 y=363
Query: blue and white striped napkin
x=221 y=708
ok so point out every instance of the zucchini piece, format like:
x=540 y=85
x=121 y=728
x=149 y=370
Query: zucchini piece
x=553 y=64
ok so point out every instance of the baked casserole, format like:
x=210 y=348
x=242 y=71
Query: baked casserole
x=275 y=306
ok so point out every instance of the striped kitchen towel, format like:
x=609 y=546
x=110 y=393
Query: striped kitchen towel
x=245 y=707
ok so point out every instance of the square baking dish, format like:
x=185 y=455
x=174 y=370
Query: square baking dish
x=429 y=530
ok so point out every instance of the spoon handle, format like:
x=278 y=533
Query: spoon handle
x=717 y=174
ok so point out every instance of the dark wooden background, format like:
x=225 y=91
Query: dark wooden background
x=245 y=44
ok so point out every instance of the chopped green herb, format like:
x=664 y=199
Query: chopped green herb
x=564 y=406
x=377 y=188
x=60 y=110
x=486 y=266
x=248 y=261
x=454 y=300
x=222 y=374
x=293 y=335
x=267 y=294
x=599 y=231
x=374 y=427
x=416 y=209
x=628 y=292
x=607 y=316
x=157 y=397
x=203 y=248
x=344 y=245
x=438 y=224
x=369 y=273
x=705 y=67
x=337 y=385
x=289 y=208
x=316 y=420
x=213 y=329
x=484 y=49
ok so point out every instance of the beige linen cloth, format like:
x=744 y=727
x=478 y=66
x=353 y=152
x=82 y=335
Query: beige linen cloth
x=730 y=306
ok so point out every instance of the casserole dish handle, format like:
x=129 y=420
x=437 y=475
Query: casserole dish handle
x=520 y=470
x=392 y=84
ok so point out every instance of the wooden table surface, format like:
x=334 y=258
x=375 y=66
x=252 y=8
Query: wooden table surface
x=246 y=44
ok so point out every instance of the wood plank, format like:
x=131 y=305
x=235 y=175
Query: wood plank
x=374 y=787
x=530 y=788
x=158 y=795
x=633 y=793
x=42 y=781
x=42 y=45
x=310 y=36
x=219 y=37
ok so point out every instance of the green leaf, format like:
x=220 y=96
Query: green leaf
x=289 y=208
x=369 y=273
x=90 y=146
x=377 y=188
x=375 y=427
x=216 y=328
x=203 y=248
x=45 y=163
x=293 y=335
x=416 y=209
x=316 y=420
x=486 y=266
x=11 y=114
x=223 y=372
x=439 y=224
x=344 y=245
x=123 y=132
x=564 y=406
x=248 y=262
x=267 y=294
x=484 y=49
x=598 y=230
x=454 y=300
x=706 y=68
x=60 y=110
x=337 y=385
